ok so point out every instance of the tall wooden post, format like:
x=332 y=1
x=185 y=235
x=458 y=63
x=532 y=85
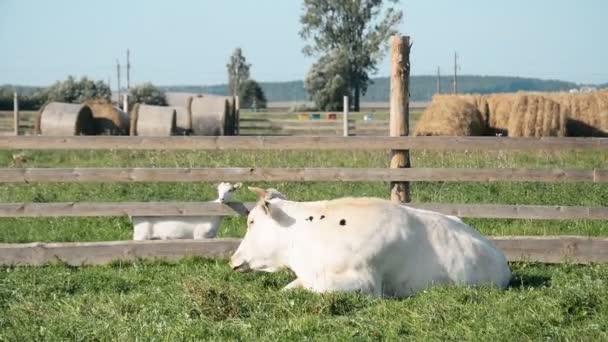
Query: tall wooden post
x=399 y=111
x=345 y=116
x=16 y=112
x=125 y=103
x=237 y=115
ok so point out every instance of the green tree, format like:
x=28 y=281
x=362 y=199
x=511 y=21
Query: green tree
x=327 y=81
x=147 y=93
x=359 y=29
x=250 y=91
x=238 y=71
x=77 y=91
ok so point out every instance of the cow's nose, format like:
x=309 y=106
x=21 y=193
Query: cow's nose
x=239 y=264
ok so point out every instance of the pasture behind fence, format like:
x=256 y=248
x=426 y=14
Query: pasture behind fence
x=542 y=249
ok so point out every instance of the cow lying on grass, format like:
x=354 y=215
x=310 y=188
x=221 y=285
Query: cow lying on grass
x=366 y=244
x=182 y=227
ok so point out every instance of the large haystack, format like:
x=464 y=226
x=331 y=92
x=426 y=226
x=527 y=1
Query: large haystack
x=152 y=121
x=64 y=119
x=587 y=112
x=211 y=115
x=535 y=116
x=109 y=120
x=452 y=116
x=183 y=120
x=500 y=108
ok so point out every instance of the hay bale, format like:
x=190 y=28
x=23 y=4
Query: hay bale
x=450 y=115
x=152 y=121
x=109 y=120
x=500 y=107
x=211 y=115
x=587 y=112
x=64 y=119
x=183 y=120
x=535 y=116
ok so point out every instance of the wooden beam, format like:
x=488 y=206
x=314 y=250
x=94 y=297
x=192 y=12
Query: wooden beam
x=544 y=249
x=553 y=249
x=87 y=209
x=400 y=113
x=76 y=175
x=299 y=143
x=98 y=253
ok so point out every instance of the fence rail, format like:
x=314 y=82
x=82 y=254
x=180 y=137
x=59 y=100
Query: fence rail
x=300 y=143
x=546 y=249
x=76 y=175
x=87 y=209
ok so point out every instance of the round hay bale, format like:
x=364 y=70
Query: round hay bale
x=109 y=120
x=64 y=119
x=209 y=115
x=499 y=111
x=587 y=113
x=152 y=121
x=452 y=116
x=183 y=120
x=536 y=116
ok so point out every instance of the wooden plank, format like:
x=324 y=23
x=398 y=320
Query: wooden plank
x=75 y=175
x=86 y=209
x=98 y=253
x=553 y=249
x=544 y=249
x=300 y=143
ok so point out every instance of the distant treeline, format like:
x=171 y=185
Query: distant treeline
x=422 y=88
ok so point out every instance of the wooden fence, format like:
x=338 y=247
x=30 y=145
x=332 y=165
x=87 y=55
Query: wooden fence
x=320 y=127
x=541 y=249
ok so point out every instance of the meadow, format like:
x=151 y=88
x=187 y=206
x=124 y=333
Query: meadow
x=198 y=299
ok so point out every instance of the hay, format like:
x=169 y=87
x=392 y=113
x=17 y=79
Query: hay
x=152 y=121
x=64 y=119
x=109 y=120
x=536 y=116
x=587 y=112
x=452 y=116
x=211 y=115
x=183 y=120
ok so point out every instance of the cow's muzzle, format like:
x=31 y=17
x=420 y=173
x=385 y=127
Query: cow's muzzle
x=241 y=267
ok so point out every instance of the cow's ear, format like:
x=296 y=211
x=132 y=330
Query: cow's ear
x=266 y=207
x=261 y=193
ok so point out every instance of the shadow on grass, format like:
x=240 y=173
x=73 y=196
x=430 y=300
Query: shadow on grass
x=524 y=281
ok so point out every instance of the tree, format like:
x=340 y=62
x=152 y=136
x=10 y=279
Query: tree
x=359 y=29
x=77 y=91
x=327 y=81
x=250 y=91
x=238 y=70
x=147 y=93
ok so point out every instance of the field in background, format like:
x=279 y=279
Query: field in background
x=272 y=122
x=205 y=299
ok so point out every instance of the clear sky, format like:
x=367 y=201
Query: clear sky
x=189 y=42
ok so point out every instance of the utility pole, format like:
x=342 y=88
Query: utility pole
x=438 y=90
x=128 y=72
x=455 y=72
x=118 y=80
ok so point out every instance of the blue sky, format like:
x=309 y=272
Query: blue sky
x=189 y=42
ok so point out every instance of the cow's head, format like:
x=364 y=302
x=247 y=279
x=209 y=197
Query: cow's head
x=225 y=191
x=264 y=246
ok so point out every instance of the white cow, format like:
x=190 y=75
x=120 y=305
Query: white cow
x=182 y=227
x=371 y=245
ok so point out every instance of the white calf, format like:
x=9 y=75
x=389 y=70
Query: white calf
x=182 y=227
x=366 y=244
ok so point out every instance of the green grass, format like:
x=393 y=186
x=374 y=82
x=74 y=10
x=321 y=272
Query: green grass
x=204 y=300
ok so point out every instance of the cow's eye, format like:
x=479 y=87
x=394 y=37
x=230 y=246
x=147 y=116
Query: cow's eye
x=251 y=222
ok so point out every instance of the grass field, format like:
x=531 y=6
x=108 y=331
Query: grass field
x=203 y=299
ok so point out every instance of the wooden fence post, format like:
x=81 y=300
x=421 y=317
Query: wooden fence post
x=399 y=111
x=16 y=112
x=237 y=115
x=125 y=103
x=345 y=116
